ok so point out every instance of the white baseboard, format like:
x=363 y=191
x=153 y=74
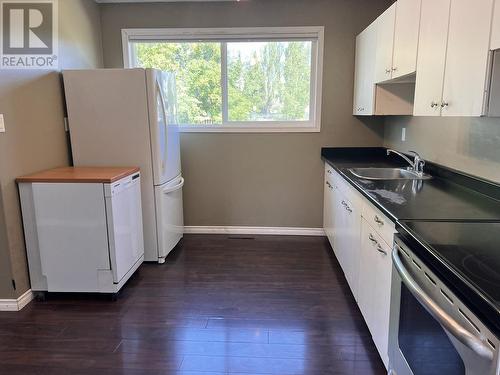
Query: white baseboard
x=16 y=304
x=283 y=231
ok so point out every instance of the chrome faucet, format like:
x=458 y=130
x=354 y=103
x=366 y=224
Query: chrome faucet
x=417 y=165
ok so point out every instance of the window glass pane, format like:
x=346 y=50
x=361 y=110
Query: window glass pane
x=269 y=81
x=197 y=69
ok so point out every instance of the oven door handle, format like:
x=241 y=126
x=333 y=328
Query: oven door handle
x=451 y=325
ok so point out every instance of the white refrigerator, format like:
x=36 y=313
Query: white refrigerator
x=120 y=117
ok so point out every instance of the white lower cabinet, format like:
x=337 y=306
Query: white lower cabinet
x=346 y=239
x=82 y=236
x=341 y=221
x=374 y=295
x=328 y=200
x=360 y=236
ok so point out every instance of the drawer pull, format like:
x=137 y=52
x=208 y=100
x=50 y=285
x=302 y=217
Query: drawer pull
x=328 y=171
x=372 y=238
x=378 y=220
x=381 y=250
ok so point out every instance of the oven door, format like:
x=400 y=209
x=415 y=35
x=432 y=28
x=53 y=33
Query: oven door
x=431 y=331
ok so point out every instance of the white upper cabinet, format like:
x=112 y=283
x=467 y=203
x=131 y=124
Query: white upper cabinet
x=467 y=58
x=453 y=58
x=385 y=44
x=431 y=57
x=495 y=31
x=406 y=37
x=364 y=78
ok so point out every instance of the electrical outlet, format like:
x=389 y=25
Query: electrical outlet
x=2 y=124
x=403 y=134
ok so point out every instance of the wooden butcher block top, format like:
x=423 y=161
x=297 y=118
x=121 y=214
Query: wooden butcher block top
x=80 y=174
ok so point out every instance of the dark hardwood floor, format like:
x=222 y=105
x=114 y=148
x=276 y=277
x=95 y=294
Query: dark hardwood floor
x=220 y=305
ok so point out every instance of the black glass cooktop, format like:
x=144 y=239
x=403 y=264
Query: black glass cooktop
x=467 y=252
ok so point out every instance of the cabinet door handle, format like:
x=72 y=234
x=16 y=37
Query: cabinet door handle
x=387 y=71
x=329 y=185
x=394 y=69
x=328 y=171
x=434 y=104
x=378 y=220
x=371 y=238
x=349 y=209
x=381 y=250
x=444 y=104
x=344 y=203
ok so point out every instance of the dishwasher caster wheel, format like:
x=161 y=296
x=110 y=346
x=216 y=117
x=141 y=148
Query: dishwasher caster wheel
x=40 y=296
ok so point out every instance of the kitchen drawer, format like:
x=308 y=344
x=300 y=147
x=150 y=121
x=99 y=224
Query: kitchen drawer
x=379 y=222
x=347 y=190
x=329 y=174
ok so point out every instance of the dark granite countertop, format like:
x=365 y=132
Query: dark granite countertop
x=451 y=221
x=447 y=196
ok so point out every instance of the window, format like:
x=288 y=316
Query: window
x=251 y=80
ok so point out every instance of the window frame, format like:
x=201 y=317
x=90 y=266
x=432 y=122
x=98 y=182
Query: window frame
x=222 y=35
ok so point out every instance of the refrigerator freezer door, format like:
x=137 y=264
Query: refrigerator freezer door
x=124 y=216
x=170 y=217
x=164 y=135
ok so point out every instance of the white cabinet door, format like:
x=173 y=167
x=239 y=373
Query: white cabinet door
x=385 y=44
x=382 y=298
x=374 y=293
x=330 y=190
x=495 y=30
x=467 y=57
x=366 y=274
x=364 y=76
x=431 y=57
x=341 y=230
x=346 y=242
x=406 y=37
x=328 y=210
x=352 y=245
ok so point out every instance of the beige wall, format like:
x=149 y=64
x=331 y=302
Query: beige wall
x=33 y=106
x=262 y=179
x=471 y=145
x=5 y=268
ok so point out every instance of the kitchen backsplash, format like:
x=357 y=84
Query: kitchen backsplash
x=469 y=144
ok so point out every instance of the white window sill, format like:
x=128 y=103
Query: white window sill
x=247 y=129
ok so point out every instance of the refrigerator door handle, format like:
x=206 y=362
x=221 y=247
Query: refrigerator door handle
x=168 y=190
x=160 y=94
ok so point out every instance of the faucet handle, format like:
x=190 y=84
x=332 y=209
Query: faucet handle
x=421 y=164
